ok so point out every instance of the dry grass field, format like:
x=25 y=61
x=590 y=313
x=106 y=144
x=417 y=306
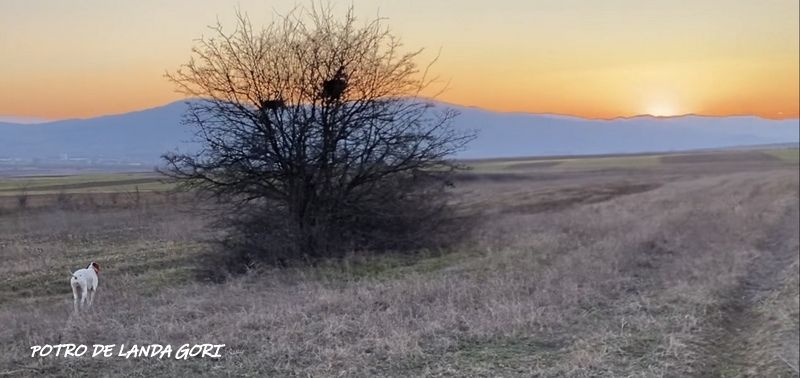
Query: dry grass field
x=101 y=183
x=678 y=265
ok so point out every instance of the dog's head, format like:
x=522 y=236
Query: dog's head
x=95 y=266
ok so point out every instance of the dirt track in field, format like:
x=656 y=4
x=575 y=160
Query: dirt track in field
x=734 y=333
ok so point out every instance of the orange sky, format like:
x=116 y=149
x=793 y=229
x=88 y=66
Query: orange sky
x=82 y=58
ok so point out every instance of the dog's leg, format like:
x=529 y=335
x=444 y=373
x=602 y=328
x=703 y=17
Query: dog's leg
x=84 y=291
x=74 y=298
x=91 y=297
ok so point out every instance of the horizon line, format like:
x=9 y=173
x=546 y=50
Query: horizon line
x=34 y=120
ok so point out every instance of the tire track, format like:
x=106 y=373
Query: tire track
x=726 y=347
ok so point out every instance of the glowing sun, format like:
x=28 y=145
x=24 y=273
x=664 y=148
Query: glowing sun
x=662 y=109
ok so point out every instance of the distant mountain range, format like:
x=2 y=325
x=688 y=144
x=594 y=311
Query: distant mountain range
x=141 y=137
x=23 y=120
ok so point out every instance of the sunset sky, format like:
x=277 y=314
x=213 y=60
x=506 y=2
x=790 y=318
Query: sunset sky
x=598 y=59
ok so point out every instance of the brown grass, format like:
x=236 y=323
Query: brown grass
x=713 y=157
x=650 y=273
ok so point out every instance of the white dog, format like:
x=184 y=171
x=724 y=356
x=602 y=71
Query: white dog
x=85 y=280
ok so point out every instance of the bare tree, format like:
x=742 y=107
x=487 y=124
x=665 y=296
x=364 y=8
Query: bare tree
x=314 y=132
